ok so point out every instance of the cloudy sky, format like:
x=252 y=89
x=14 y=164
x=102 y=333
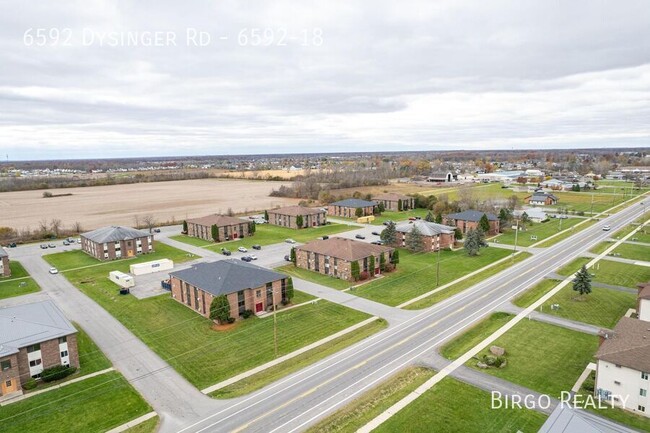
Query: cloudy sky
x=310 y=76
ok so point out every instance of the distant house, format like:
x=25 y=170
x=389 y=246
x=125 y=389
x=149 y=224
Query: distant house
x=247 y=286
x=116 y=242
x=442 y=177
x=623 y=368
x=348 y=208
x=288 y=216
x=34 y=337
x=643 y=302
x=535 y=214
x=228 y=227
x=391 y=201
x=469 y=219
x=334 y=257
x=434 y=236
x=5 y=271
x=541 y=198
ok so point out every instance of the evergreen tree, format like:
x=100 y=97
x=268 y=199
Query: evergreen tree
x=299 y=221
x=266 y=215
x=380 y=208
x=252 y=227
x=504 y=216
x=474 y=241
x=293 y=255
x=438 y=218
x=382 y=262
x=524 y=220
x=389 y=234
x=484 y=223
x=582 y=281
x=220 y=309
x=414 y=241
x=394 y=259
x=458 y=235
x=430 y=218
x=289 y=289
x=184 y=226
x=371 y=265
x=214 y=231
x=354 y=269
x=399 y=205
x=358 y=212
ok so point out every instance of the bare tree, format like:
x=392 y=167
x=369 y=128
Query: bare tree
x=42 y=226
x=230 y=212
x=55 y=226
x=149 y=221
x=76 y=227
x=136 y=220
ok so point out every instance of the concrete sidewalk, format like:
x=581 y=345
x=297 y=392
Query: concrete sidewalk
x=508 y=307
x=555 y=276
x=620 y=260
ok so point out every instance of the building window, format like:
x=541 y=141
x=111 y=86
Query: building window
x=643 y=392
x=64 y=354
x=241 y=302
x=8 y=383
x=63 y=340
x=258 y=293
x=33 y=348
x=641 y=408
x=644 y=375
x=34 y=362
x=5 y=365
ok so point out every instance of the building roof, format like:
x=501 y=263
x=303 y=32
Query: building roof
x=297 y=210
x=532 y=212
x=392 y=196
x=3 y=253
x=353 y=202
x=345 y=249
x=216 y=219
x=568 y=419
x=114 y=233
x=27 y=324
x=425 y=227
x=472 y=215
x=644 y=291
x=541 y=195
x=628 y=345
x=227 y=276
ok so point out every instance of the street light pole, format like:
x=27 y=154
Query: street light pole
x=275 y=326
x=516 y=236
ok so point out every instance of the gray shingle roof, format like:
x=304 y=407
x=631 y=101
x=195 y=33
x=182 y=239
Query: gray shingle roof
x=628 y=345
x=425 y=227
x=227 y=276
x=28 y=324
x=471 y=215
x=3 y=253
x=113 y=234
x=354 y=202
x=541 y=196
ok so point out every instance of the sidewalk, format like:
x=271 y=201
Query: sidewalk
x=554 y=276
x=621 y=260
x=508 y=307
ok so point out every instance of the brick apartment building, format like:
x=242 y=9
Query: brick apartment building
x=116 y=242
x=434 y=236
x=392 y=201
x=288 y=216
x=334 y=257
x=34 y=337
x=348 y=208
x=469 y=219
x=247 y=286
x=228 y=227
x=5 y=270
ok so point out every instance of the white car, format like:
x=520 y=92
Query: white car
x=606 y=228
x=290 y=241
x=54 y=271
x=242 y=250
x=252 y=256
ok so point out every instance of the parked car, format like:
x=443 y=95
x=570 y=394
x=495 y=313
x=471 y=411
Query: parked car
x=324 y=237
x=418 y=218
x=242 y=250
x=252 y=256
x=12 y=245
x=78 y=240
x=71 y=240
x=377 y=242
x=257 y=247
x=287 y=258
x=66 y=243
x=43 y=246
x=606 y=228
x=156 y=230
x=387 y=222
x=290 y=241
x=360 y=236
x=411 y=218
x=51 y=245
x=54 y=271
x=376 y=233
x=225 y=251
x=246 y=259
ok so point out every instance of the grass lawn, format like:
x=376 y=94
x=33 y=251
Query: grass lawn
x=267 y=234
x=416 y=274
x=581 y=201
x=526 y=298
x=186 y=340
x=454 y=406
x=399 y=216
x=477 y=333
x=19 y=283
x=79 y=407
x=541 y=230
x=633 y=252
x=545 y=358
x=272 y=374
x=550 y=241
x=610 y=272
x=149 y=426
x=466 y=284
x=642 y=235
x=315 y=277
x=360 y=411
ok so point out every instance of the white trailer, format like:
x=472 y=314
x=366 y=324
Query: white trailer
x=151 y=267
x=121 y=279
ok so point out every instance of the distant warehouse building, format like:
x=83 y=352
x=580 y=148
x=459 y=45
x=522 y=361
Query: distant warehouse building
x=116 y=242
x=290 y=216
x=5 y=271
x=395 y=202
x=348 y=208
x=227 y=228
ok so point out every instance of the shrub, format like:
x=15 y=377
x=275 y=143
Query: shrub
x=30 y=384
x=231 y=320
x=57 y=372
x=390 y=267
x=247 y=313
x=363 y=275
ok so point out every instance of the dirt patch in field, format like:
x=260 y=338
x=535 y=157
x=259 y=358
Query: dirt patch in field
x=120 y=204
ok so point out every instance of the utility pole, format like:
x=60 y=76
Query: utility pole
x=275 y=326
x=438 y=264
x=591 y=212
x=516 y=236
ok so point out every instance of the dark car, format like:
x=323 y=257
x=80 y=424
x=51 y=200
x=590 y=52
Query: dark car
x=377 y=243
x=324 y=237
x=287 y=258
x=12 y=245
x=225 y=252
x=360 y=237
x=376 y=233
x=156 y=230
x=257 y=247
x=247 y=258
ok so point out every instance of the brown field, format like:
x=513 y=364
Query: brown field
x=119 y=204
x=400 y=188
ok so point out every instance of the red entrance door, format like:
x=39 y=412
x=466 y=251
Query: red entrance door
x=259 y=307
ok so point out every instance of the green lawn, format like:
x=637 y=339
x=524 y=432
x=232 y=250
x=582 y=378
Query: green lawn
x=315 y=277
x=149 y=426
x=477 y=333
x=454 y=406
x=526 y=298
x=545 y=358
x=360 y=411
x=541 y=230
x=466 y=284
x=416 y=274
x=610 y=272
x=19 y=283
x=550 y=241
x=272 y=374
x=642 y=235
x=581 y=201
x=633 y=252
x=399 y=216
x=186 y=340
x=96 y=404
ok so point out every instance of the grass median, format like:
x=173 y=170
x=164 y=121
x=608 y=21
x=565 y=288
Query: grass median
x=19 y=283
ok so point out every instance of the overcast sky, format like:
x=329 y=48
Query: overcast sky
x=386 y=75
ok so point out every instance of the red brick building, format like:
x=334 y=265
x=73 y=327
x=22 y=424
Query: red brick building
x=288 y=216
x=5 y=270
x=247 y=287
x=469 y=219
x=541 y=198
x=348 y=208
x=228 y=227
x=334 y=257
x=434 y=236
x=116 y=242
x=34 y=337
x=392 y=201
